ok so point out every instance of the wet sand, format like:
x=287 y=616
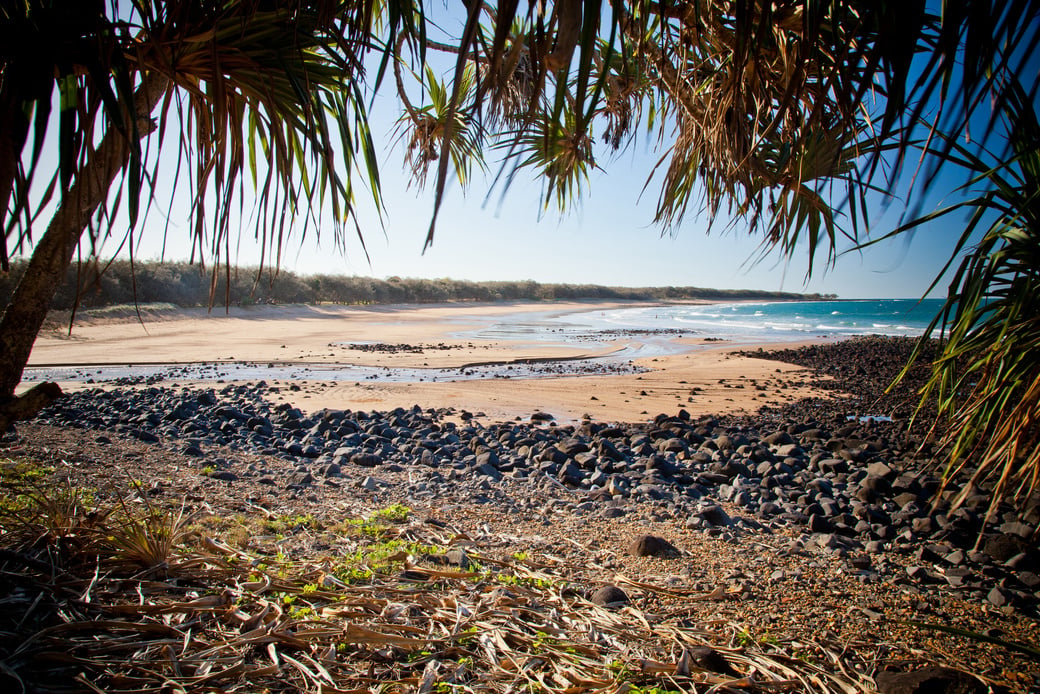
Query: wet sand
x=693 y=373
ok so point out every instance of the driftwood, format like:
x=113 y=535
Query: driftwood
x=25 y=406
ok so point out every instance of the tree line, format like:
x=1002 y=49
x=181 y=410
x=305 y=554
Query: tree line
x=189 y=285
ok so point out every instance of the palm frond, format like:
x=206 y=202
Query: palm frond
x=986 y=380
x=426 y=129
x=268 y=94
x=561 y=155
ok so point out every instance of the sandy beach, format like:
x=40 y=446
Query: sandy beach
x=700 y=376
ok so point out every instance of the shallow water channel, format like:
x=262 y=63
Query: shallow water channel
x=530 y=327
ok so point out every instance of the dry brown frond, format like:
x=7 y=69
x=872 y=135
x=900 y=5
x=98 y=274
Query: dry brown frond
x=241 y=622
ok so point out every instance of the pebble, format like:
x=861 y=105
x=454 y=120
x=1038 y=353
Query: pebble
x=609 y=596
x=652 y=546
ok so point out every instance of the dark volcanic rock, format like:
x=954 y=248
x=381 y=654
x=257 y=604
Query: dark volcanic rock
x=366 y=459
x=609 y=595
x=715 y=515
x=930 y=680
x=652 y=546
x=708 y=658
x=1003 y=547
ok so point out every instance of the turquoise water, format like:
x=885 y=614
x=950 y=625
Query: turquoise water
x=781 y=321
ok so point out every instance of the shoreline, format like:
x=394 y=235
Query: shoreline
x=676 y=370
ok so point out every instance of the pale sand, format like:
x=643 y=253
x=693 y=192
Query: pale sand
x=308 y=334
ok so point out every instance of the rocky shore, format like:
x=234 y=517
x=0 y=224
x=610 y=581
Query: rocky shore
x=821 y=498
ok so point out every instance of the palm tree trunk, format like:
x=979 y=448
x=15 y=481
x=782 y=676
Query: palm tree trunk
x=14 y=128
x=51 y=257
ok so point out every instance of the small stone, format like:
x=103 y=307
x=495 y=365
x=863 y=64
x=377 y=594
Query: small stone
x=923 y=526
x=880 y=469
x=979 y=557
x=928 y=680
x=457 y=557
x=715 y=515
x=918 y=573
x=366 y=459
x=1003 y=547
x=707 y=658
x=223 y=476
x=1018 y=561
x=652 y=546
x=833 y=466
x=957 y=577
x=872 y=614
x=145 y=436
x=861 y=562
x=769 y=509
x=609 y=596
x=488 y=470
x=1022 y=530
x=300 y=479
x=819 y=524
x=997 y=597
x=905 y=499
x=926 y=555
x=871 y=487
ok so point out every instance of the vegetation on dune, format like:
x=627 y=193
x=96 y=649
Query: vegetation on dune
x=184 y=285
x=784 y=118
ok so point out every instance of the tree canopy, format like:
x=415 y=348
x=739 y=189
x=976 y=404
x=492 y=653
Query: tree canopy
x=779 y=114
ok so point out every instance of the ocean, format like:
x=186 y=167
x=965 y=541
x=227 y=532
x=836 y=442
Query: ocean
x=740 y=322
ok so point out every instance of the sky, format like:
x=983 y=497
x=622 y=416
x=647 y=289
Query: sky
x=608 y=238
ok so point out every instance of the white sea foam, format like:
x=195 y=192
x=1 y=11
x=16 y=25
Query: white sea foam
x=764 y=321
